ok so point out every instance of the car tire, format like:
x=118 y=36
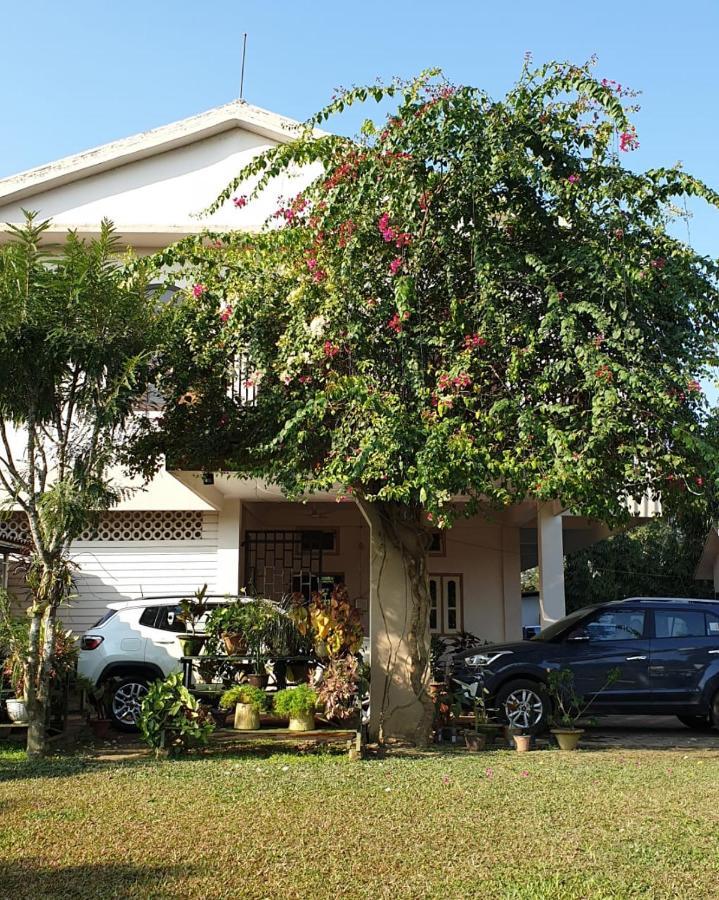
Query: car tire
x=524 y=701
x=126 y=700
x=697 y=723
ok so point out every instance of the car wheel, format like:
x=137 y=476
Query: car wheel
x=126 y=702
x=697 y=723
x=525 y=705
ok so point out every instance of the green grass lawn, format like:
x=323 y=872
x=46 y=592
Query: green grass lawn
x=500 y=824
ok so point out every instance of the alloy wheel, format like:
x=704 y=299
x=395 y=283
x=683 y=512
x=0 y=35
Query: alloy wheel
x=524 y=708
x=127 y=701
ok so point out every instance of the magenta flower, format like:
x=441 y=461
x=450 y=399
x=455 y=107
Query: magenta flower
x=240 y=201
x=573 y=179
x=395 y=265
x=628 y=141
x=225 y=313
x=198 y=289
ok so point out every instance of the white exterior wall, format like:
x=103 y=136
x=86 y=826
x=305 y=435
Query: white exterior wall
x=116 y=570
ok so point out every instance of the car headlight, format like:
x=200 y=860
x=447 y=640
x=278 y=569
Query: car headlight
x=485 y=659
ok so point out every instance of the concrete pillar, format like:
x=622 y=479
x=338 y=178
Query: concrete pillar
x=511 y=584
x=552 y=605
x=229 y=528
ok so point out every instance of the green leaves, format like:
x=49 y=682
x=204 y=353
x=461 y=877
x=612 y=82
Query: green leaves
x=474 y=298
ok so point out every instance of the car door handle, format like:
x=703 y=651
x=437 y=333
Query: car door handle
x=164 y=642
x=714 y=651
x=629 y=658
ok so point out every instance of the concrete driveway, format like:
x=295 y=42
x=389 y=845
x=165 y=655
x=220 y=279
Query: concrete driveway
x=647 y=733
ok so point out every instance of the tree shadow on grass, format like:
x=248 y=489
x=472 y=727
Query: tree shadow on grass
x=26 y=878
x=22 y=769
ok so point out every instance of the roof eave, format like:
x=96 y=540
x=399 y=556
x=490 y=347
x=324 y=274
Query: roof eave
x=237 y=114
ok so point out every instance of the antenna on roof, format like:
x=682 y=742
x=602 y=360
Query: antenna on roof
x=242 y=76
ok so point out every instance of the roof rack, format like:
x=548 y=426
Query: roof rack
x=668 y=600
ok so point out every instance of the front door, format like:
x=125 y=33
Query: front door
x=613 y=638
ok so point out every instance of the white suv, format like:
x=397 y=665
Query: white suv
x=135 y=643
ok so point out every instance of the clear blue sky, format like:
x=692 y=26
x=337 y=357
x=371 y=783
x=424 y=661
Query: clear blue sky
x=82 y=73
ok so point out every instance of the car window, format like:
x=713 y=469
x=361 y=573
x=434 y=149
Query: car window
x=616 y=625
x=679 y=623
x=712 y=625
x=168 y=620
x=148 y=617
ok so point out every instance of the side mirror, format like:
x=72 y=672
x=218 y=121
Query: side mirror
x=579 y=634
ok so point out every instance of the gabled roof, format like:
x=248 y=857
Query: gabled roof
x=237 y=114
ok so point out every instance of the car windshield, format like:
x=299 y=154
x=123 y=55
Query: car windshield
x=556 y=628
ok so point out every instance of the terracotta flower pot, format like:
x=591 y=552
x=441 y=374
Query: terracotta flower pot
x=302 y=722
x=100 y=728
x=523 y=742
x=235 y=644
x=259 y=681
x=567 y=738
x=247 y=717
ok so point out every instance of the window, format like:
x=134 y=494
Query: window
x=617 y=625
x=446 y=613
x=319 y=540
x=148 y=617
x=672 y=623
x=437 y=545
x=168 y=620
x=712 y=625
x=307 y=584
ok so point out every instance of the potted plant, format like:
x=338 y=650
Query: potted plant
x=99 y=697
x=260 y=619
x=192 y=609
x=569 y=707
x=298 y=704
x=171 y=719
x=227 y=624
x=485 y=731
x=523 y=741
x=338 y=693
x=248 y=701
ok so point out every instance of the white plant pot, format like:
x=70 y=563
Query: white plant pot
x=16 y=711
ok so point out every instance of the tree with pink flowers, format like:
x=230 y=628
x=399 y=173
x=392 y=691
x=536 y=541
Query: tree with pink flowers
x=476 y=299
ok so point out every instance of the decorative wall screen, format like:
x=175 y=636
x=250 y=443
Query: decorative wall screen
x=277 y=562
x=181 y=525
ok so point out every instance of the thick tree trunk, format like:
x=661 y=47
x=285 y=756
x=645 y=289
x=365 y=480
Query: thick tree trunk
x=40 y=660
x=400 y=705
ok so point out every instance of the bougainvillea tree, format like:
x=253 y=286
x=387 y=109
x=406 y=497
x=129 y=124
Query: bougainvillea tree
x=475 y=301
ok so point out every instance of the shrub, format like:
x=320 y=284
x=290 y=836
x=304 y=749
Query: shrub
x=340 y=685
x=171 y=719
x=244 y=693
x=296 y=701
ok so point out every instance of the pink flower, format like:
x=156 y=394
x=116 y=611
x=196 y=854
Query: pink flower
x=403 y=240
x=489 y=773
x=524 y=773
x=319 y=275
x=462 y=380
x=395 y=323
x=198 y=289
x=395 y=265
x=472 y=341
x=225 y=313
x=573 y=179
x=385 y=229
x=330 y=349
x=628 y=140
x=311 y=263
x=445 y=779
x=305 y=379
x=240 y=201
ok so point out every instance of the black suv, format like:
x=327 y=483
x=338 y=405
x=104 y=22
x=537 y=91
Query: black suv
x=666 y=648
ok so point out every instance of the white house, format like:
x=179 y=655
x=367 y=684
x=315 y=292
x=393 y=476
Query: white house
x=178 y=532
